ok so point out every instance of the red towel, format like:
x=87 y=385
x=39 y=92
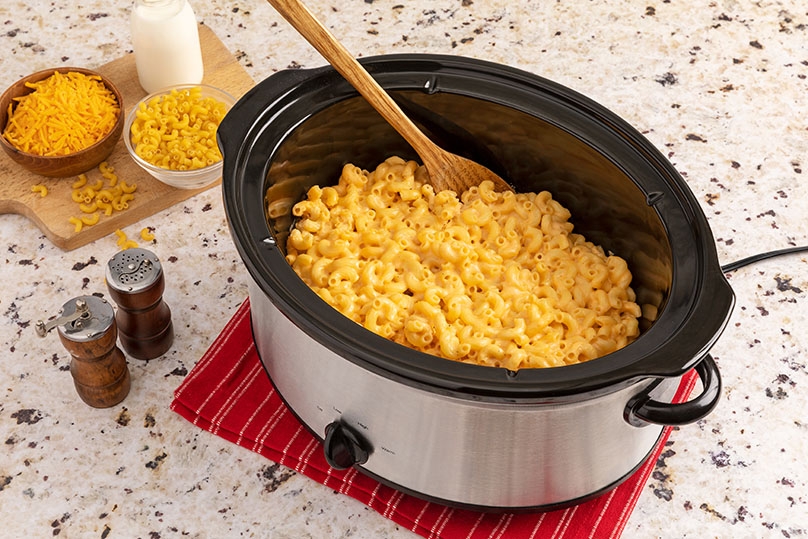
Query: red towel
x=229 y=394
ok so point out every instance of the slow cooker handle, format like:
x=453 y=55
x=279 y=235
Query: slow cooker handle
x=642 y=409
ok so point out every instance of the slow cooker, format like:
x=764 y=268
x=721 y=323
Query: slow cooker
x=460 y=434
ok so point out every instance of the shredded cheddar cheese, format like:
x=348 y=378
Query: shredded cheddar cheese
x=64 y=114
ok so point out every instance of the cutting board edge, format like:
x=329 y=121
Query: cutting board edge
x=62 y=234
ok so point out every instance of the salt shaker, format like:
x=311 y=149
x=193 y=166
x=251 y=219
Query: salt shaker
x=136 y=283
x=165 y=38
x=88 y=331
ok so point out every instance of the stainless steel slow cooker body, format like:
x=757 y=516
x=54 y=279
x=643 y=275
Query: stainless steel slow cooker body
x=463 y=434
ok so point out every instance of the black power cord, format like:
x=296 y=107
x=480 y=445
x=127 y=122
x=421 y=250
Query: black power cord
x=732 y=266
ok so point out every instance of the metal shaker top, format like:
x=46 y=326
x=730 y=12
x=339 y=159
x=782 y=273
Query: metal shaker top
x=133 y=270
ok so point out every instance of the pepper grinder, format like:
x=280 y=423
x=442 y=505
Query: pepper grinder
x=88 y=331
x=136 y=283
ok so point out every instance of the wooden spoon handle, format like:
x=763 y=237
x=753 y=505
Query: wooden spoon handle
x=299 y=16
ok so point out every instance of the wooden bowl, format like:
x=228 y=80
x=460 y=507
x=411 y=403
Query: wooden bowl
x=62 y=165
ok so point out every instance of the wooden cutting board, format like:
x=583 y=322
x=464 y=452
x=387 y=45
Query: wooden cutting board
x=51 y=213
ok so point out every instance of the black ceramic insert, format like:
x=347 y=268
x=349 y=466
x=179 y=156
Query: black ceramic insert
x=298 y=128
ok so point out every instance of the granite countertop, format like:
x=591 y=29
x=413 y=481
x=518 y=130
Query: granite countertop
x=719 y=89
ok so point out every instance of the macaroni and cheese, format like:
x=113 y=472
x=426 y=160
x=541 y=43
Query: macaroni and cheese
x=490 y=278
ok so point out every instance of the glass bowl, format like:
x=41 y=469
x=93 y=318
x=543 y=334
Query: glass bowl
x=182 y=179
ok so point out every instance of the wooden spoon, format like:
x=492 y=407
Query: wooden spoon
x=446 y=170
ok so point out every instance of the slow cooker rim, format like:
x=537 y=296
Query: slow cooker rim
x=288 y=291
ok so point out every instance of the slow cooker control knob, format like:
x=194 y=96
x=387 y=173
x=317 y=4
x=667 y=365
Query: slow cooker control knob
x=343 y=447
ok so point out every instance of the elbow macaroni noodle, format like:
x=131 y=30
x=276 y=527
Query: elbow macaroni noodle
x=92 y=199
x=146 y=234
x=123 y=241
x=490 y=278
x=177 y=131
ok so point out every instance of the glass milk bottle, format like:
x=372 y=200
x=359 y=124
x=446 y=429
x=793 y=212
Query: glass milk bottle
x=166 y=42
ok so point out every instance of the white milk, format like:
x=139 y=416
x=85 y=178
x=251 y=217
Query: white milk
x=166 y=42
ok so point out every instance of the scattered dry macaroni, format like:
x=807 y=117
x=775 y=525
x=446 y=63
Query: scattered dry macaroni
x=146 y=234
x=77 y=223
x=64 y=113
x=89 y=219
x=177 y=131
x=81 y=182
x=124 y=242
x=39 y=188
x=489 y=278
x=92 y=199
x=109 y=173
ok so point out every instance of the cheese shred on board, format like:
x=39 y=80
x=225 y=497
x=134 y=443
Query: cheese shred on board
x=64 y=114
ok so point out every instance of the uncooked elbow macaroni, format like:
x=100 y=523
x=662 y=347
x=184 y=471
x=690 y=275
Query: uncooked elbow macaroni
x=92 y=198
x=489 y=278
x=177 y=130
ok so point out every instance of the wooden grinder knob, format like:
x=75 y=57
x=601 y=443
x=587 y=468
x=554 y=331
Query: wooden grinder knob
x=136 y=283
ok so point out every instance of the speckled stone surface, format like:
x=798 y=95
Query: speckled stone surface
x=719 y=87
